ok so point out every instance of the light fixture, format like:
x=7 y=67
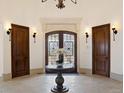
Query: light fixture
x=9 y=33
x=34 y=36
x=114 y=33
x=60 y=4
x=87 y=35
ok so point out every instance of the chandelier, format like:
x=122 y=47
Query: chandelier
x=60 y=4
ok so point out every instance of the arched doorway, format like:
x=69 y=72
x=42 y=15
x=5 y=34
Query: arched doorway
x=65 y=40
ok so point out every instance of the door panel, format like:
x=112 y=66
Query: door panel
x=101 y=50
x=20 y=50
x=68 y=45
x=53 y=45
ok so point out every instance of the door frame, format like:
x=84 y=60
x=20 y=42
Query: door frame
x=109 y=48
x=59 y=32
x=12 y=45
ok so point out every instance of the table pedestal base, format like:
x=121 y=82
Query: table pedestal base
x=59 y=88
x=63 y=90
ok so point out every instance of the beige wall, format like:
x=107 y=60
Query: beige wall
x=30 y=13
x=1 y=51
x=105 y=12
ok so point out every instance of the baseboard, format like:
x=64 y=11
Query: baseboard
x=36 y=71
x=85 y=71
x=7 y=76
x=112 y=75
x=115 y=76
x=32 y=72
x=1 y=78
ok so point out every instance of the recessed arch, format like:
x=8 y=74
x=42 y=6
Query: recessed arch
x=61 y=43
x=57 y=31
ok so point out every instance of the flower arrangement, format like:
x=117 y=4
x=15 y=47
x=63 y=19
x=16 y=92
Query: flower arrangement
x=60 y=52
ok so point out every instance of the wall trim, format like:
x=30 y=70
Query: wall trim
x=85 y=71
x=8 y=76
x=1 y=78
x=36 y=71
x=116 y=76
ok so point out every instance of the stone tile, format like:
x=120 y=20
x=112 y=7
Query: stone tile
x=76 y=84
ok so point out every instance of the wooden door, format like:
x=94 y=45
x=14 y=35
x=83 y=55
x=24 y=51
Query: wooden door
x=20 y=50
x=101 y=50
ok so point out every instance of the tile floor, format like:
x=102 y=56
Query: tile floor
x=76 y=84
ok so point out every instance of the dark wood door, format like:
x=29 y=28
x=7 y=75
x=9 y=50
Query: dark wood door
x=101 y=50
x=20 y=50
